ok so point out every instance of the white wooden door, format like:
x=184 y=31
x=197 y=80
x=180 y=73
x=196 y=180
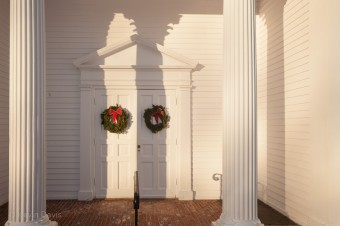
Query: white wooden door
x=117 y=157
x=115 y=154
x=157 y=153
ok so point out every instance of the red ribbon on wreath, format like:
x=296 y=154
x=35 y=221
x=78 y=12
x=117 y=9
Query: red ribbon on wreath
x=159 y=113
x=114 y=114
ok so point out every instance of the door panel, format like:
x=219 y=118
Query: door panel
x=156 y=158
x=115 y=154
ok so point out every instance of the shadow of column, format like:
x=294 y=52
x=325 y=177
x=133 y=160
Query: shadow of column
x=153 y=24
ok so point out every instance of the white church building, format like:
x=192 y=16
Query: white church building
x=251 y=88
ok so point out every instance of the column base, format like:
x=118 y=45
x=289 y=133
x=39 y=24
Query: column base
x=50 y=223
x=224 y=221
x=43 y=222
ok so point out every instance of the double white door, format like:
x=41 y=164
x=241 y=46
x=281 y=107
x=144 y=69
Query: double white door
x=119 y=156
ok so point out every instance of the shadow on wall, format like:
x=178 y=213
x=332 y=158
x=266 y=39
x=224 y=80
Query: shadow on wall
x=151 y=19
x=154 y=23
x=275 y=190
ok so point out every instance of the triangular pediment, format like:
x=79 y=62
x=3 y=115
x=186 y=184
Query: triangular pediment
x=135 y=52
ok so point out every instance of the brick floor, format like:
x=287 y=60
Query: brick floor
x=151 y=213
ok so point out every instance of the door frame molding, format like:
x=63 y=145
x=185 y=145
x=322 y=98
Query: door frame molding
x=178 y=79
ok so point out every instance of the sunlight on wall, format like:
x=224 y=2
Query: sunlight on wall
x=262 y=107
x=126 y=28
x=284 y=106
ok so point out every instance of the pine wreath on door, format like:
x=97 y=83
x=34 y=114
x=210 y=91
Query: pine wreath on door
x=156 y=158
x=115 y=153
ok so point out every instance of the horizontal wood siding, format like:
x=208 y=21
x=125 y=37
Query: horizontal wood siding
x=200 y=37
x=284 y=106
x=4 y=98
x=74 y=28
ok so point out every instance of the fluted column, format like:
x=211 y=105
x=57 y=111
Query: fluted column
x=239 y=154
x=27 y=202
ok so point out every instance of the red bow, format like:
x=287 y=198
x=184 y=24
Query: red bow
x=158 y=114
x=114 y=114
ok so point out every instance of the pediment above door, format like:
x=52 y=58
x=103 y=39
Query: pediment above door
x=135 y=53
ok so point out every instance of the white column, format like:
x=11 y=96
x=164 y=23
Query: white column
x=239 y=154
x=27 y=202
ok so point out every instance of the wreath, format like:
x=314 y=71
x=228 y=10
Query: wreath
x=156 y=118
x=115 y=119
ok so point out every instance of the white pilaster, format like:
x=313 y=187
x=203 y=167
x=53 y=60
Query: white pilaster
x=185 y=191
x=86 y=185
x=27 y=202
x=239 y=157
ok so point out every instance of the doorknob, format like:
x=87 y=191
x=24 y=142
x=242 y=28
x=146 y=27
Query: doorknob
x=138 y=147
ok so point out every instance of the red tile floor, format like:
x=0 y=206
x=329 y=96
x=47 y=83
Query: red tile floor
x=151 y=213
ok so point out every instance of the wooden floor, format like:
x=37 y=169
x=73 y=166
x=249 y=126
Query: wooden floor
x=152 y=212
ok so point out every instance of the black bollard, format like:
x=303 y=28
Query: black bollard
x=136 y=198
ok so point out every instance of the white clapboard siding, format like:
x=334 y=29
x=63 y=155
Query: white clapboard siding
x=199 y=37
x=284 y=106
x=4 y=100
x=77 y=27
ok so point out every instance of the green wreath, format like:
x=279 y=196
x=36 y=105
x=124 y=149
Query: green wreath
x=156 y=118
x=115 y=119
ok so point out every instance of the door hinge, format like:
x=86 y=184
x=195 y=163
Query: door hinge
x=176 y=181
x=94 y=181
x=94 y=141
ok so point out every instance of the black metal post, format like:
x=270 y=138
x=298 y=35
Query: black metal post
x=136 y=198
